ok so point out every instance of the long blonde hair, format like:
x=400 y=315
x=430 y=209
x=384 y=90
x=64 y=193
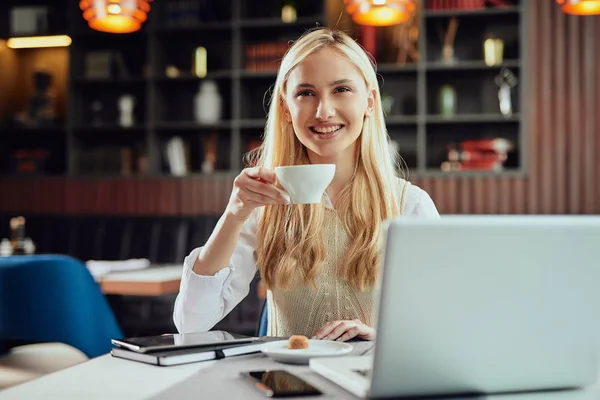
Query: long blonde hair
x=289 y=240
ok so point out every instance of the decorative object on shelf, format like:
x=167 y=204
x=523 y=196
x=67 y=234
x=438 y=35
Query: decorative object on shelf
x=380 y=12
x=207 y=103
x=40 y=107
x=448 y=42
x=172 y=71
x=126 y=106
x=115 y=16
x=209 y=144
x=506 y=80
x=387 y=101
x=580 y=7
x=105 y=65
x=28 y=20
x=176 y=154
x=5 y=248
x=406 y=40
x=447 y=101
x=288 y=11
x=96 y=108
x=493 y=50
x=17 y=236
x=199 y=62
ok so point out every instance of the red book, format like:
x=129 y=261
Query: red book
x=499 y=145
x=468 y=155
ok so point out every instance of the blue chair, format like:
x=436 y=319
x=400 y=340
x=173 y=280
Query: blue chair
x=263 y=324
x=54 y=298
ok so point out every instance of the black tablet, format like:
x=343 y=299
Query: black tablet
x=180 y=341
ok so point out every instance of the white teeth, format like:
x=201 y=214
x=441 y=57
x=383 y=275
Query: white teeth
x=328 y=129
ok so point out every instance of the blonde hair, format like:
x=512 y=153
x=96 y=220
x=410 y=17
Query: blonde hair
x=289 y=237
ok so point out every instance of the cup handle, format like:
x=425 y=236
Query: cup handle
x=284 y=193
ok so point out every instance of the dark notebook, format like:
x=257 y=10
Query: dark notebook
x=189 y=355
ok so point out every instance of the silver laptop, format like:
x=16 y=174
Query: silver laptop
x=482 y=304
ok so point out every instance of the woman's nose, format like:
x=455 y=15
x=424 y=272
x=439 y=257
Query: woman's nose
x=325 y=110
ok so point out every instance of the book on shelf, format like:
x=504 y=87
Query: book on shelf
x=477 y=155
x=265 y=56
x=455 y=4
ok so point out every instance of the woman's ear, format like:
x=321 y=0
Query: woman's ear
x=286 y=112
x=371 y=103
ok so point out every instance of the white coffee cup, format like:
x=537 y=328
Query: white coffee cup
x=305 y=184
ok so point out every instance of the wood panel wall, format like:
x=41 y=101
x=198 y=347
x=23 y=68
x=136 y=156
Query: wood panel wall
x=563 y=149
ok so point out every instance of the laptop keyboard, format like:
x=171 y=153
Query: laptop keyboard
x=363 y=372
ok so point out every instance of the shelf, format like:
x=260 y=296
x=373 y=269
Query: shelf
x=109 y=128
x=32 y=130
x=401 y=119
x=191 y=125
x=276 y=22
x=123 y=81
x=397 y=68
x=90 y=33
x=474 y=12
x=204 y=27
x=224 y=74
x=167 y=103
x=471 y=119
x=470 y=65
x=257 y=74
x=253 y=123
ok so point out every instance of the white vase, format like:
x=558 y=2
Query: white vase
x=126 y=106
x=207 y=103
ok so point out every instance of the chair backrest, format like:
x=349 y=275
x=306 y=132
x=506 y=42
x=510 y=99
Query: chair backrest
x=263 y=323
x=54 y=298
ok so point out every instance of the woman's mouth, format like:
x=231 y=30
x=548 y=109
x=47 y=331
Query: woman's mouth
x=326 y=132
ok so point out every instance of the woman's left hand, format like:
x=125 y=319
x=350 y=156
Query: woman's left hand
x=342 y=331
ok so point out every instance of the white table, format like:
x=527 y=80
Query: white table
x=106 y=377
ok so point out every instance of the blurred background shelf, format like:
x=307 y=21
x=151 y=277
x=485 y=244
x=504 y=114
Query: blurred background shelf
x=232 y=49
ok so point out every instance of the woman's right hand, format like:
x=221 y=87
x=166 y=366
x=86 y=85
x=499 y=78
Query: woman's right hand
x=253 y=188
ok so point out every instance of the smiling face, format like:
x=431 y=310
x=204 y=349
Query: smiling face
x=326 y=101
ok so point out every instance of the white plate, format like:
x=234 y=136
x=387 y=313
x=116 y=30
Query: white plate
x=279 y=351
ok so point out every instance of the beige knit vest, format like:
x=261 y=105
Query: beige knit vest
x=302 y=310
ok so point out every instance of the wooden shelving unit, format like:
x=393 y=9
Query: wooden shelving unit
x=164 y=105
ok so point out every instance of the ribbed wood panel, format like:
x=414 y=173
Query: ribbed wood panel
x=563 y=150
x=168 y=196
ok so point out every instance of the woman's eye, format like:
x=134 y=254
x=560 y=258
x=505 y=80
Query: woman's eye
x=304 y=93
x=342 y=89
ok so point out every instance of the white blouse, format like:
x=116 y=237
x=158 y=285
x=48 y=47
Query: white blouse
x=203 y=301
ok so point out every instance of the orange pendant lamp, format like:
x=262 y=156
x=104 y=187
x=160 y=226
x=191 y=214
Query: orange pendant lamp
x=115 y=16
x=580 y=7
x=380 y=12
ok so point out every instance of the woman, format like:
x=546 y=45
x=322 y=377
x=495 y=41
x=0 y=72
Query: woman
x=319 y=262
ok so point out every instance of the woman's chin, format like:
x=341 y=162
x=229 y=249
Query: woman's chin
x=327 y=151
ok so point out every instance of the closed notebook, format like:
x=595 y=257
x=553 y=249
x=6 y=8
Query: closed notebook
x=189 y=355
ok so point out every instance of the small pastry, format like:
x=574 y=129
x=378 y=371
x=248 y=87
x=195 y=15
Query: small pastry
x=298 y=342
